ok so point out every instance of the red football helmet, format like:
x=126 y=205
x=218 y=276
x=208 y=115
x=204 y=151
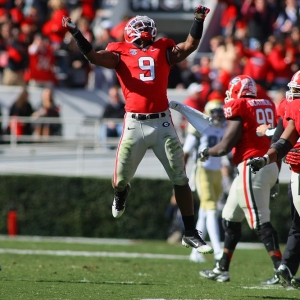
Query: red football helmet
x=140 y=27
x=294 y=85
x=241 y=86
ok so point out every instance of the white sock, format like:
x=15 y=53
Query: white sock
x=212 y=226
x=201 y=222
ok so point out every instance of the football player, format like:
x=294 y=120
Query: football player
x=249 y=194
x=286 y=144
x=142 y=65
x=208 y=177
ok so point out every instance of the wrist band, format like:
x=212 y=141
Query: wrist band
x=267 y=159
x=83 y=44
x=197 y=29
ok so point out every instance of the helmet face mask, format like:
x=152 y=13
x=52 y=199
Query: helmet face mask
x=294 y=88
x=241 y=86
x=214 y=109
x=140 y=27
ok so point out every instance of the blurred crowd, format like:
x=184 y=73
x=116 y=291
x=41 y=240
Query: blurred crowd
x=259 y=38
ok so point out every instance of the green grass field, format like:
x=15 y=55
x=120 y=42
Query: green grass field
x=41 y=269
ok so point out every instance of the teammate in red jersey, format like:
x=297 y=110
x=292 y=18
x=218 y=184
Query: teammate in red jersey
x=288 y=144
x=249 y=194
x=142 y=66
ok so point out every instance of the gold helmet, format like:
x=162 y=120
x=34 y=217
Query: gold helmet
x=214 y=109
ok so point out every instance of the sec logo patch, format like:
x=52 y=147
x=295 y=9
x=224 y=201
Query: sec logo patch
x=166 y=124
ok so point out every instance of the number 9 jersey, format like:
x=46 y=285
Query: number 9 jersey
x=252 y=112
x=143 y=74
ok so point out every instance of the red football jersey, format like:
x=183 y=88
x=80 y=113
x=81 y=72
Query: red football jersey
x=143 y=75
x=292 y=112
x=41 y=66
x=281 y=111
x=253 y=112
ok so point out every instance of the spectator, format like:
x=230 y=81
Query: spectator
x=292 y=42
x=117 y=32
x=21 y=107
x=193 y=100
x=260 y=17
x=13 y=73
x=194 y=97
x=281 y=60
x=48 y=109
x=52 y=27
x=41 y=70
x=181 y=76
x=258 y=66
x=227 y=58
x=228 y=17
x=113 y=110
x=104 y=78
x=77 y=67
x=202 y=71
x=288 y=18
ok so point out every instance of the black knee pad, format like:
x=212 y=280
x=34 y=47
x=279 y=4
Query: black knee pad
x=233 y=233
x=268 y=236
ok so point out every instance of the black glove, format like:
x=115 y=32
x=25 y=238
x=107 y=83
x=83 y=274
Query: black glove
x=257 y=163
x=67 y=23
x=203 y=154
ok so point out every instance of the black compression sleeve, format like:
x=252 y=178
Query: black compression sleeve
x=282 y=147
x=83 y=44
x=197 y=29
x=279 y=130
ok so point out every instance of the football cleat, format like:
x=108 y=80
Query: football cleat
x=216 y=274
x=196 y=241
x=272 y=280
x=285 y=276
x=296 y=282
x=118 y=206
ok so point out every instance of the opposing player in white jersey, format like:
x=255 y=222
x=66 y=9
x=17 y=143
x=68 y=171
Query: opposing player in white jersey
x=208 y=177
x=249 y=195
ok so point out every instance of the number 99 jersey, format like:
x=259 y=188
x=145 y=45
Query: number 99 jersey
x=252 y=112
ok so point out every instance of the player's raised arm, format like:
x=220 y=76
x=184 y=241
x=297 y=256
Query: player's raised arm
x=101 y=58
x=184 y=49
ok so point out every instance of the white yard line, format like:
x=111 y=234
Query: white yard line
x=101 y=241
x=92 y=254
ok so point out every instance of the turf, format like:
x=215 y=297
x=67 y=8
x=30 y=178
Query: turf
x=72 y=274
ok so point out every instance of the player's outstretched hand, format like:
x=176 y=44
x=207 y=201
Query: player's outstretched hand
x=203 y=154
x=201 y=12
x=256 y=163
x=67 y=23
